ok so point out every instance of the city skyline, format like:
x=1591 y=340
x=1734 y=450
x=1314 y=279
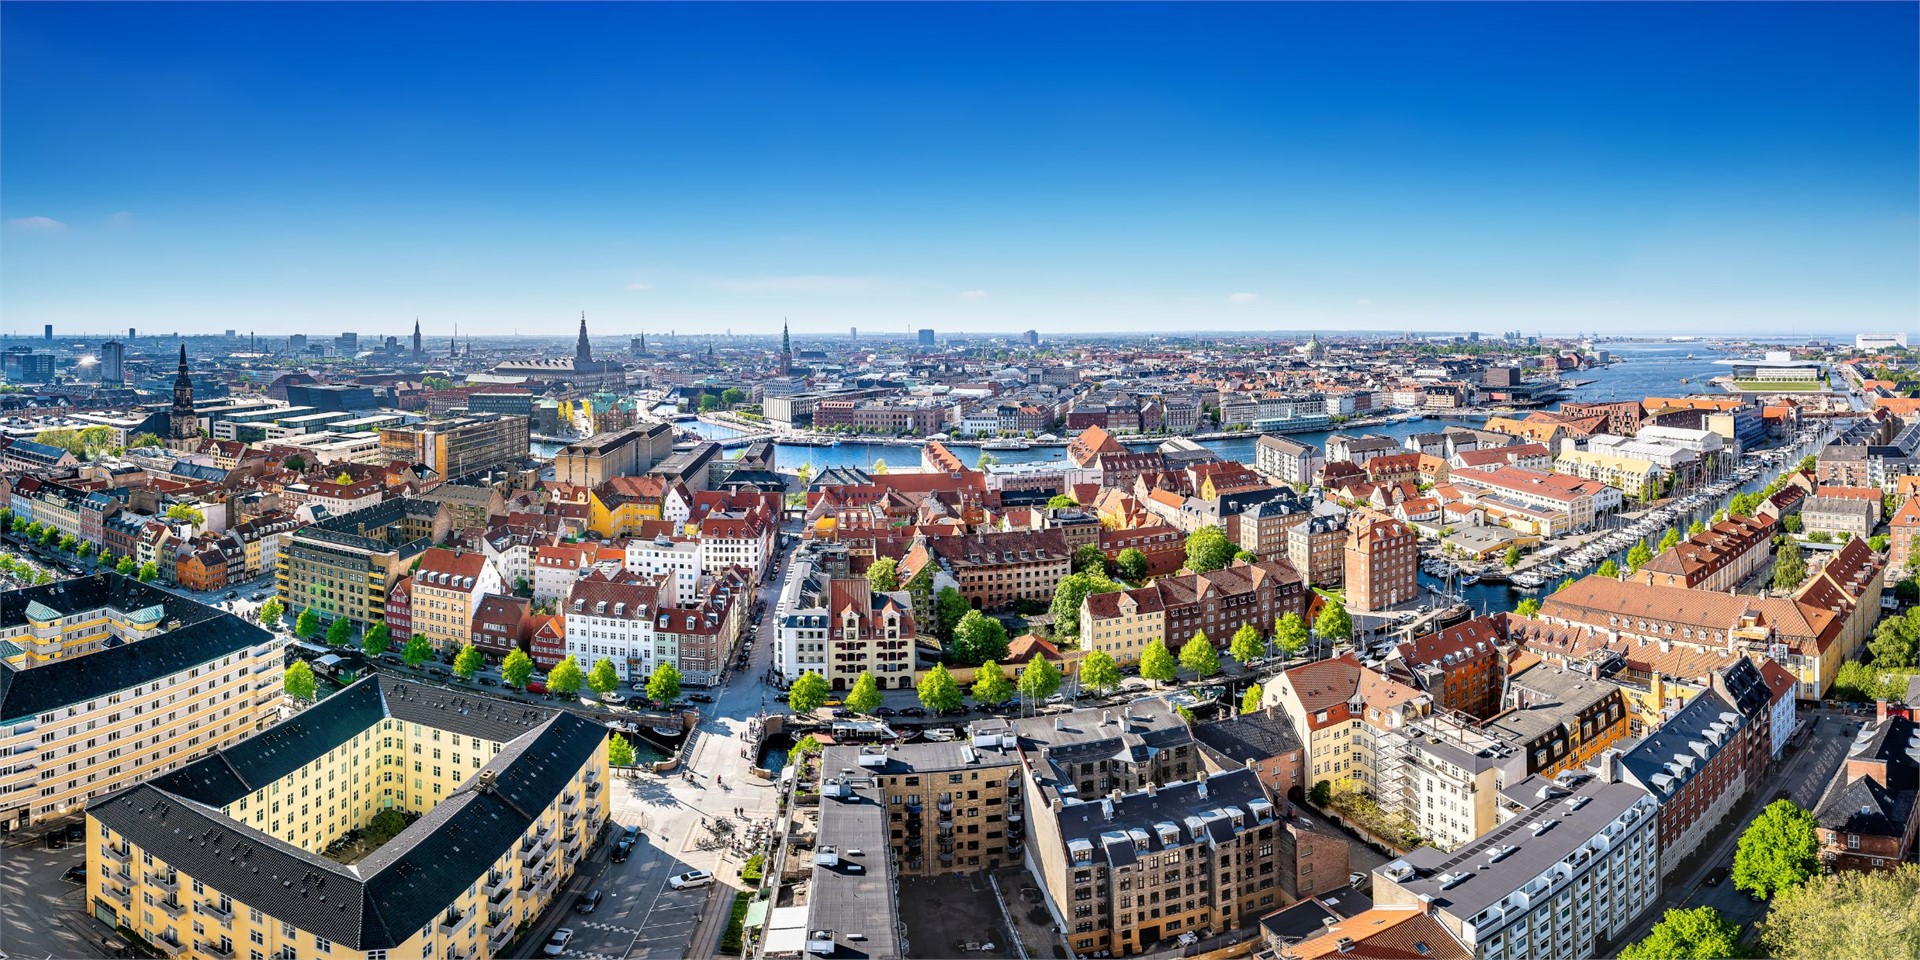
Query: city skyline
x=1633 y=169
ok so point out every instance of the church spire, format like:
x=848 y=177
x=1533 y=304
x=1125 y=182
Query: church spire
x=583 y=351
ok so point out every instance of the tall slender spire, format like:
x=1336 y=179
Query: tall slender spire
x=583 y=351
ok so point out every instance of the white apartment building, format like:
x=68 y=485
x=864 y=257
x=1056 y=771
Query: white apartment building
x=1576 y=861
x=680 y=559
x=1666 y=456
x=612 y=618
x=801 y=619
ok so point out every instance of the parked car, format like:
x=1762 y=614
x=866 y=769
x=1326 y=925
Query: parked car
x=537 y=686
x=488 y=682
x=913 y=711
x=621 y=850
x=884 y=712
x=699 y=698
x=588 y=903
x=613 y=699
x=76 y=875
x=557 y=944
x=690 y=879
x=438 y=671
x=392 y=658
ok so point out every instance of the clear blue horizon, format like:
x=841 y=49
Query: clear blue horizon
x=1723 y=168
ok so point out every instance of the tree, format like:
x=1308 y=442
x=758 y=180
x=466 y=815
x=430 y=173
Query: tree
x=1513 y=556
x=1247 y=645
x=879 y=468
x=1696 y=528
x=1864 y=914
x=1877 y=543
x=979 y=638
x=709 y=403
x=938 y=691
x=1894 y=641
x=1290 y=635
x=1793 y=523
x=1099 y=673
x=307 y=624
x=884 y=575
x=1068 y=595
x=1669 y=540
x=1156 y=663
x=376 y=640
x=1527 y=607
x=1208 y=549
x=619 y=751
x=67 y=541
x=1820 y=536
x=949 y=606
x=187 y=513
x=1608 y=569
x=125 y=567
x=603 y=679
x=1334 y=624
x=1061 y=501
x=566 y=678
x=733 y=396
x=48 y=536
x=990 y=684
x=432 y=382
x=1250 y=702
x=1199 y=657
x=1789 y=566
x=1131 y=565
x=808 y=693
x=1779 y=850
x=663 y=685
x=865 y=697
x=517 y=669
x=149 y=572
x=296 y=463
x=84 y=549
x=1040 y=679
x=1321 y=794
x=35 y=529
x=299 y=682
x=339 y=632
x=1089 y=559
x=468 y=662
x=418 y=650
x=1697 y=934
x=1638 y=557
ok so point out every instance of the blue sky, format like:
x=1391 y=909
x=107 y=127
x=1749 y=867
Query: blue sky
x=1650 y=167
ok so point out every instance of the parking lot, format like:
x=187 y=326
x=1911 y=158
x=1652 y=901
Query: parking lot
x=639 y=915
x=42 y=914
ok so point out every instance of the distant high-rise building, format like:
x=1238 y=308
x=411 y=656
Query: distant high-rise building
x=229 y=334
x=132 y=334
x=853 y=333
x=297 y=343
x=926 y=337
x=113 y=359
x=347 y=344
x=49 y=331
x=1033 y=338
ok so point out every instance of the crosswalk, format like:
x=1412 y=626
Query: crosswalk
x=613 y=927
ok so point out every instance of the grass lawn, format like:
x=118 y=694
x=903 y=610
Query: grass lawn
x=734 y=938
x=1780 y=386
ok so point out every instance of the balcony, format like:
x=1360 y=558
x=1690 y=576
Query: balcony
x=117 y=854
x=172 y=908
x=454 y=922
x=497 y=938
x=498 y=886
x=213 y=912
x=1014 y=816
x=120 y=895
x=172 y=948
x=570 y=803
x=497 y=921
x=216 y=950
x=459 y=953
x=165 y=881
x=944 y=805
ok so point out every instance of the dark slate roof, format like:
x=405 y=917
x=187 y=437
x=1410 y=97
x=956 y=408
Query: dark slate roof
x=1261 y=735
x=205 y=634
x=1873 y=807
x=380 y=902
x=224 y=777
x=1669 y=758
x=1114 y=825
x=467 y=714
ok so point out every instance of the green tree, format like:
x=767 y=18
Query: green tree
x=1068 y=595
x=67 y=542
x=1638 y=557
x=883 y=575
x=1608 y=569
x=1513 y=556
x=1061 y=501
x=1697 y=934
x=566 y=678
x=1780 y=849
x=1250 y=701
x=296 y=463
x=376 y=640
x=733 y=396
x=1669 y=540
x=979 y=638
x=417 y=651
x=1789 y=566
x=1793 y=523
x=149 y=572
x=468 y=662
x=307 y=624
x=1099 y=673
x=604 y=679
x=619 y=752
x=938 y=691
x=809 y=745
x=1853 y=914
x=949 y=606
x=1820 y=536
x=663 y=685
x=125 y=567
x=808 y=693
x=1696 y=528
x=187 y=513
x=84 y=549
x=1247 y=644
x=1877 y=543
x=1321 y=794
x=879 y=468
x=1199 y=657
x=48 y=536
x=1040 y=679
x=35 y=529
x=990 y=684
x=709 y=403
x=1334 y=624
x=1131 y=565
x=1156 y=663
x=299 y=681
x=1290 y=635
x=1089 y=559
x=1894 y=641
x=1527 y=607
x=1208 y=549
x=340 y=632
x=865 y=697
x=517 y=669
